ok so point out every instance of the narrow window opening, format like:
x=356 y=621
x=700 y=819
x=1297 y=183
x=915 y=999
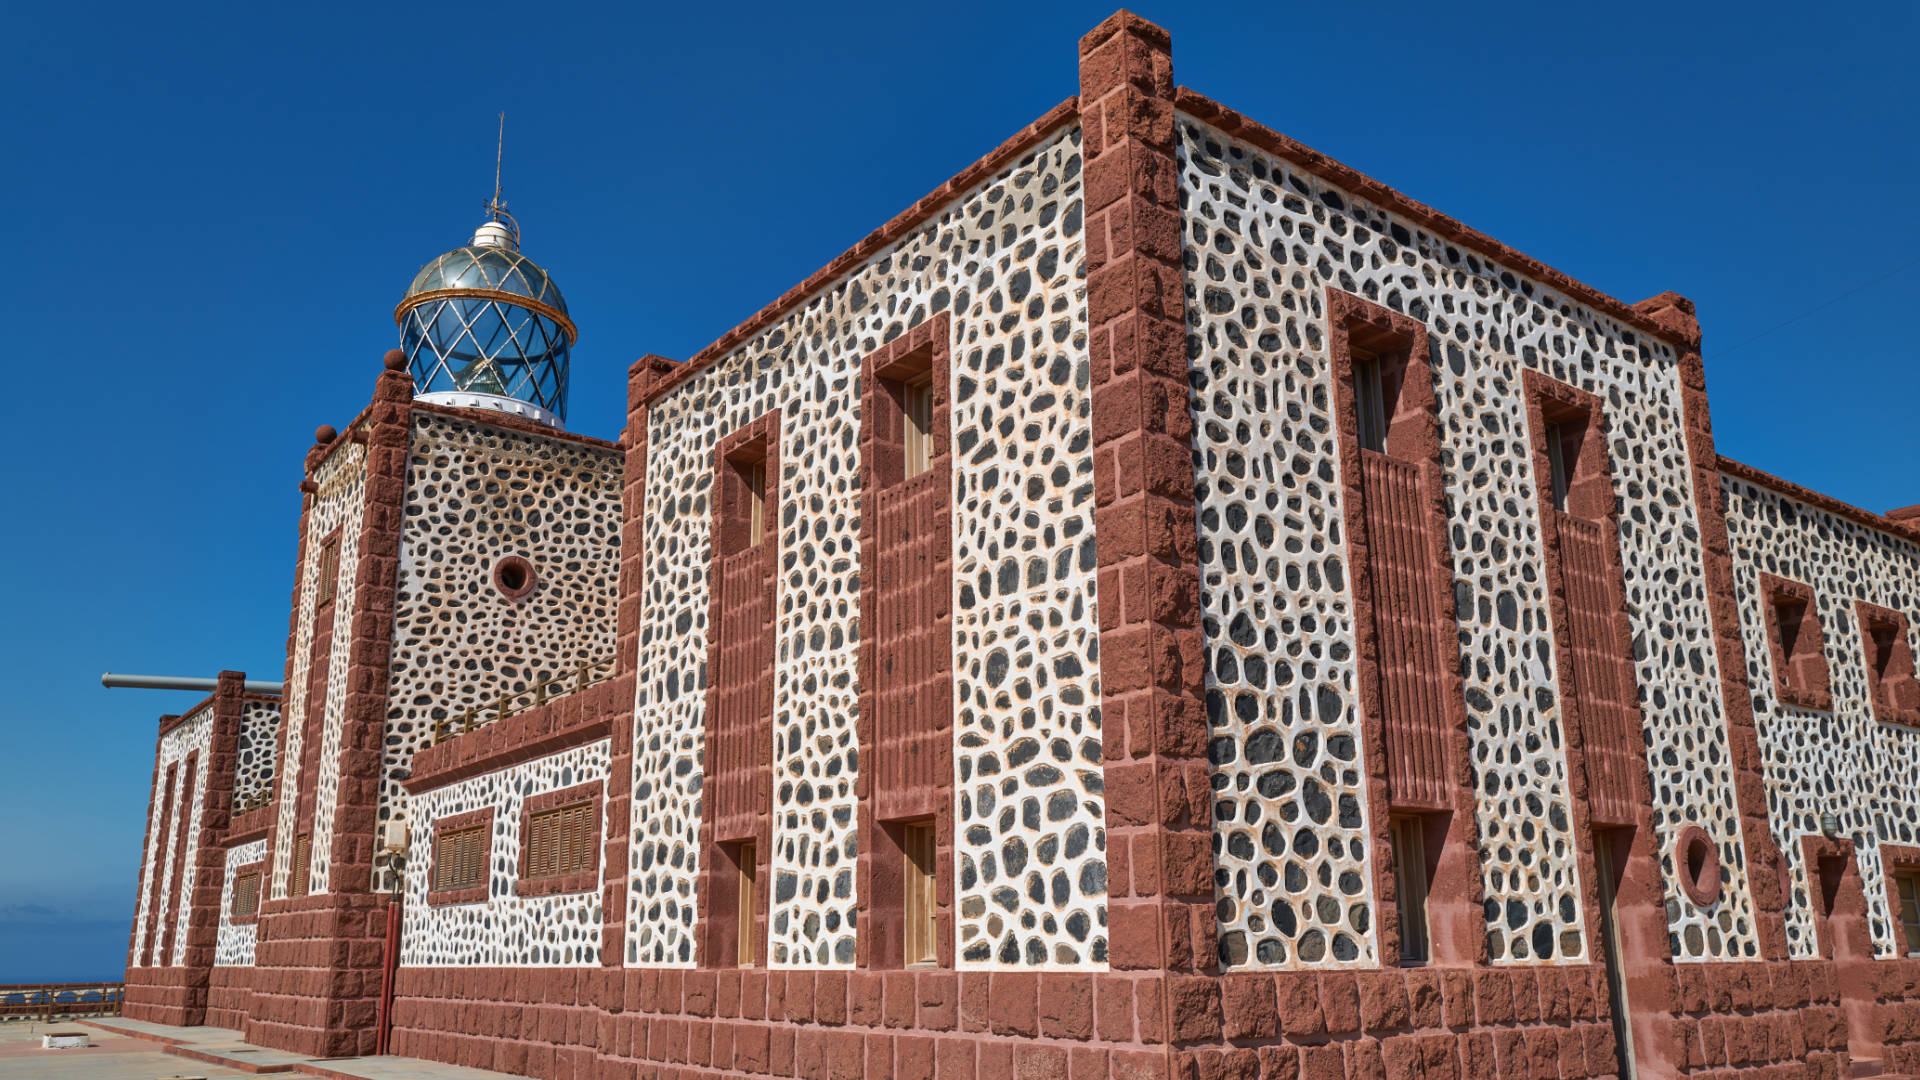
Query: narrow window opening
x=246 y=894
x=755 y=475
x=302 y=864
x=1791 y=611
x=1410 y=887
x=1881 y=642
x=917 y=404
x=922 y=936
x=747 y=866
x=1557 y=465
x=1908 y=882
x=328 y=573
x=1890 y=670
x=1370 y=400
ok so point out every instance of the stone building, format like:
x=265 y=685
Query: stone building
x=1164 y=605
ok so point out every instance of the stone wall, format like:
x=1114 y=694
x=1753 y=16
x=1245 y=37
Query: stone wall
x=312 y=772
x=1265 y=240
x=1003 y=261
x=504 y=928
x=478 y=493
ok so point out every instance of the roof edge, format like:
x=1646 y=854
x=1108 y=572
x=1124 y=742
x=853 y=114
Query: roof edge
x=874 y=242
x=1905 y=530
x=1240 y=126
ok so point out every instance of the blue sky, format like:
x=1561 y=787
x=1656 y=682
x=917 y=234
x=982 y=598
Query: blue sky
x=213 y=212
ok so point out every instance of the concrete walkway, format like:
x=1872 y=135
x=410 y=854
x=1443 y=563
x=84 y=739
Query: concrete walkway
x=219 y=1052
x=207 y=1045
x=111 y=1057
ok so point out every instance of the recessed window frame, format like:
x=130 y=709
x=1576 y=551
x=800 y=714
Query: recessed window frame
x=906 y=688
x=327 y=571
x=1407 y=835
x=746 y=490
x=300 y=875
x=587 y=800
x=920 y=863
x=1369 y=400
x=240 y=912
x=746 y=902
x=1797 y=643
x=1887 y=653
x=461 y=866
x=1906 y=890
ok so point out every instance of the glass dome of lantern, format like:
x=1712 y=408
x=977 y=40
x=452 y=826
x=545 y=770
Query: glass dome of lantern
x=484 y=327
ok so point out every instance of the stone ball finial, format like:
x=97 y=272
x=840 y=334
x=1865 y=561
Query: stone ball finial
x=325 y=434
x=395 y=360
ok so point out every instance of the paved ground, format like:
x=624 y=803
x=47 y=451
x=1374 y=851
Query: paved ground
x=397 y=1068
x=117 y=1055
x=112 y=1057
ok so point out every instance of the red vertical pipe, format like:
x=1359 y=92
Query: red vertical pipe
x=388 y=969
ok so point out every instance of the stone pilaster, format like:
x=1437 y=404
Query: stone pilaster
x=1160 y=862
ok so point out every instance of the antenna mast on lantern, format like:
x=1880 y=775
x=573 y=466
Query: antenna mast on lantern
x=498 y=206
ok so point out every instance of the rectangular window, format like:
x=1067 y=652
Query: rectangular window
x=755 y=475
x=1410 y=885
x=1908 y=882
x=1891 y=680
x=1557 y=466
x=1370 y=400
x=460 y=858
x=917 y=405
x=1791 y=611
x=1800 y=676
x=326 y=577
x=747 y=864
x=302 y=864
x=922 y=877
x=246 y=894
x=560 y=841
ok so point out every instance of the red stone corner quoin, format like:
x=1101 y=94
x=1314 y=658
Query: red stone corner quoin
x=1256 y=432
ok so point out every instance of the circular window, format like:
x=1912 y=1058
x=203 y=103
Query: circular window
x=1698 y=862
x=514 y=577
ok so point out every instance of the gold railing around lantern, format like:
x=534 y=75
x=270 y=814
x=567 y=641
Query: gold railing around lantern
x=570 y=681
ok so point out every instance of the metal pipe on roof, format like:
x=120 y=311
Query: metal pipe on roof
x=183 y=682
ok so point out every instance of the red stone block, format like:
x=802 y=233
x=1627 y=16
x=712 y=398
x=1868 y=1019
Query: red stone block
x=1066 y=1006
x=1339 y=1002
x=1493 y=997
x=1510 y=1054
x=954 y=1058
x=1113 y=1007
x=845 y=1054
x=830 y=997
x=939 y=1000
x=1012 y=1004
x=1248 y=1008
x=996 y=1058
x=1038 y=1061
x=1364 y=1061
x=1383 y=1001
x=1299 y=997
x=1322 y=1063
x=1280 y=1062
x=1543 y=1052
x=865 y=999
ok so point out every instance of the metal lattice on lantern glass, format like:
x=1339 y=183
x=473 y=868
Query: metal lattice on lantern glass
x=483 y=326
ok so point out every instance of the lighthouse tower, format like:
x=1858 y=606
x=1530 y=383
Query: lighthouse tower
x=484 y=327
